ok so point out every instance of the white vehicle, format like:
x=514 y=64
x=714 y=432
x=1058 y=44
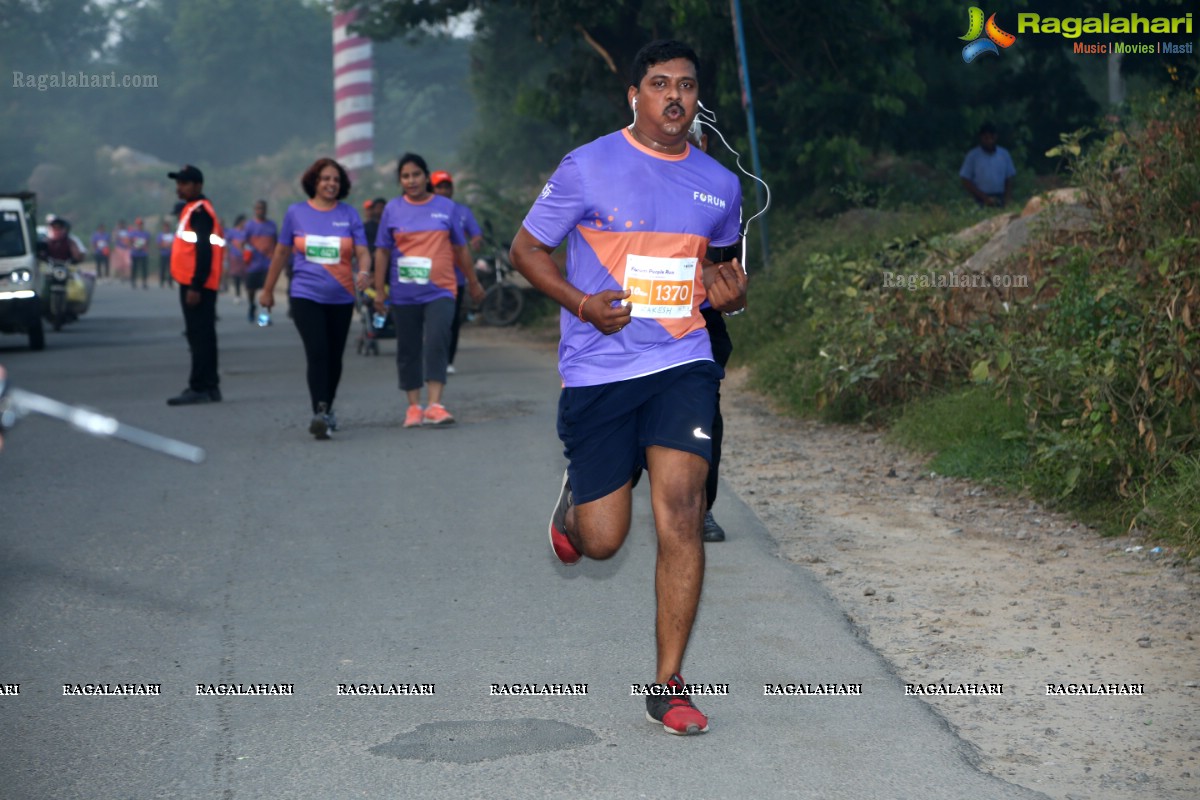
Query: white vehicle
x=20 y=276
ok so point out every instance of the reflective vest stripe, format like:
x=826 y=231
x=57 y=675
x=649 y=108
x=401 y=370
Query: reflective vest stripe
x=191 y=238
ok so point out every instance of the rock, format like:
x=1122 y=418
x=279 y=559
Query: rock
x=868 y=592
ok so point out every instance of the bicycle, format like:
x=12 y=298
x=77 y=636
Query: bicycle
x=504 y=299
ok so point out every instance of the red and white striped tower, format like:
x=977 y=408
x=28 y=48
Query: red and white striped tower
x=353 y=107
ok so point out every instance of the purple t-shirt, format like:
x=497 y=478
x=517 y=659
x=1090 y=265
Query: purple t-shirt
x=323 y=251
x=262 y=238
x=470 y=229
x=420 y=238
x=138 y=242
x=100 y=243
x=641 y=220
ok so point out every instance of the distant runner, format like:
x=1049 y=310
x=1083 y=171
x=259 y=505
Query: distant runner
x=261 y=236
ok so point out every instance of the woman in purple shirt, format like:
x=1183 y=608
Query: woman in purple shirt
x=324 y=239
x=418 y=244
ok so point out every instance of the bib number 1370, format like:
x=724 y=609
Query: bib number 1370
x=660 y=288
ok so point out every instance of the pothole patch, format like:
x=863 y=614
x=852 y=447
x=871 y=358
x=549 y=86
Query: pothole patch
x=469 y=742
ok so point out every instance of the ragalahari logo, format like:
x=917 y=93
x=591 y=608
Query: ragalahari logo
x=980 y=44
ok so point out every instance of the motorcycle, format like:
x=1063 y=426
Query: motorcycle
x=67 y=292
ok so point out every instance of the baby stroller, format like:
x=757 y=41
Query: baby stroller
x=369 y=336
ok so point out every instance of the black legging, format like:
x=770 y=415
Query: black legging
x=323 y=329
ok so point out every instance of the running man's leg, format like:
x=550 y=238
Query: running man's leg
x=254 y=284
x=675 y=426
x=677 y=497
x=598 y=426
x=599 y=528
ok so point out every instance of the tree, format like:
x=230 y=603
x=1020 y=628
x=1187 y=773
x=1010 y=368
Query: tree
x=34 y=42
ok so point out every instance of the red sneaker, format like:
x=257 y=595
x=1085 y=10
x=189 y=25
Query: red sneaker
x=564 y=551
x=413 y=417
x=437 y=414
x=674 y=709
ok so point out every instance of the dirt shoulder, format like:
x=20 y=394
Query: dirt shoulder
x=955 y=584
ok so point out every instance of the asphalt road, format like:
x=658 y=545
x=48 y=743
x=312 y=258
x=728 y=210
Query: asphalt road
x=387 y=556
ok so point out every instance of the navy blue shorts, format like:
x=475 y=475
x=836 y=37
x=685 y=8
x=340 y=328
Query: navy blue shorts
x=606 y=428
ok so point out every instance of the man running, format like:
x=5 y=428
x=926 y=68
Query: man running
x=642 y=213
x=261 y=237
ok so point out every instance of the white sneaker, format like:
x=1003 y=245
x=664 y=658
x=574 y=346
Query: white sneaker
x=450 y=370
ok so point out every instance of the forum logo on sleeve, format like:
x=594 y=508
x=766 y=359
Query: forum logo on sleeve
x=983 y=38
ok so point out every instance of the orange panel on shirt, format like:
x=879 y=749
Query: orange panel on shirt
x=434 y=245
x=343 y=271
x=611 y=248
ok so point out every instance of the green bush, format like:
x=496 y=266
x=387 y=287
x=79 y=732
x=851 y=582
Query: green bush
x=1098 y=361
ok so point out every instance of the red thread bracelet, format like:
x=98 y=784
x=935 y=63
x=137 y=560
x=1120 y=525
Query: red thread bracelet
x=579 y=311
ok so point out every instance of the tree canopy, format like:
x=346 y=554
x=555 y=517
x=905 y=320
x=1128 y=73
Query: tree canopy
x=837 y=86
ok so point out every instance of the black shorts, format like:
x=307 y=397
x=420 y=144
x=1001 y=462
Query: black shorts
x=606 y=428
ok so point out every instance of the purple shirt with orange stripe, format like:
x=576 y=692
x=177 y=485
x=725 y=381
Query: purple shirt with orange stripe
x=323 y=257
x=421 y=238
x=261 y=236
x=627 y=212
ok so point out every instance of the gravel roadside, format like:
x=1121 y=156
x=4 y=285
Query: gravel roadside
x=954 y=583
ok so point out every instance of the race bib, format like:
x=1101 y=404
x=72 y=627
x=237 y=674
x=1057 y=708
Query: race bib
x=660 y=288
x=413 y=269
x=323 y=249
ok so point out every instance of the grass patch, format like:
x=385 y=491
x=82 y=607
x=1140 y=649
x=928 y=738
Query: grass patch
x=1173 y=508
x=971 y=433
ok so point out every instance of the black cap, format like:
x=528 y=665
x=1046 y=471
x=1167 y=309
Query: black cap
x=188 y=174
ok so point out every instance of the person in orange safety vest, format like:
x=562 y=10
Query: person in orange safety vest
x=197 y=256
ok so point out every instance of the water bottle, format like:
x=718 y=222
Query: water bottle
x=378 y=321
x=264 y=318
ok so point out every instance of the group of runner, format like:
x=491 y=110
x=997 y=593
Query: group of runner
x=125 y=252
x=421 y=270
